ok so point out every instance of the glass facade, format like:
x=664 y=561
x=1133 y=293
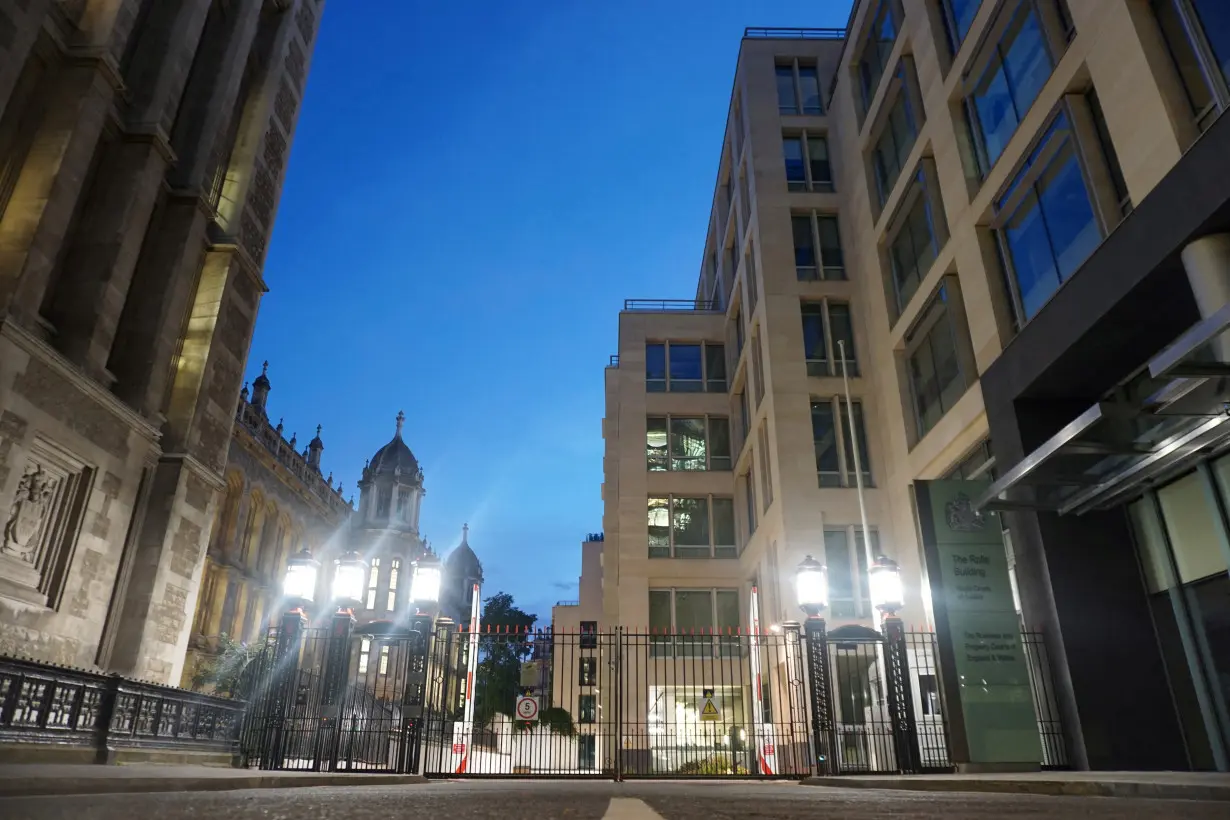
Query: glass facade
x=1181 y=535
x=897 y=139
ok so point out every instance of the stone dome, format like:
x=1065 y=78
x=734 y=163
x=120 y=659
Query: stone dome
x=395 y=458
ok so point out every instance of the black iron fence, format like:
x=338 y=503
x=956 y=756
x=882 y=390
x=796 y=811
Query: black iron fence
x=41 y=703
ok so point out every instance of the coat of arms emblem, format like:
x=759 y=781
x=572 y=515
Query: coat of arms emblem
x=961 y=515
x=29 y=510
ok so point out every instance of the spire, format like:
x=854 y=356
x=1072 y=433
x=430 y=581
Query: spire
x=260 y=387
x=315 y=447
x=279 y=428
x=401 y=419
x=465 y=535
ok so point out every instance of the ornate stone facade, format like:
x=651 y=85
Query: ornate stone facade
x=131 y=134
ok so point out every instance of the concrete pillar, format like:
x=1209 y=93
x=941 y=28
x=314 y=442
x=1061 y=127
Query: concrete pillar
x=161 y=63
x=1207 y=264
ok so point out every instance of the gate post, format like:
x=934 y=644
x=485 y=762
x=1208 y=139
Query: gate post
x=900 y=696
x=285 y=680
x=416 y=694
x=336 y=675
x=823 y=727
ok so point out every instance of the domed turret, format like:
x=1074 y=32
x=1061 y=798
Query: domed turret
x=395 y=458
x=391 y=489
x=462 y=570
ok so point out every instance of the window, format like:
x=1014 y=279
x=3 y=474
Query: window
x=933 y=363
x=587 y=752
x=750 y=276
x=766 y=475
x=683 y=367
x=1009 y=73
x=1123 y=198
x=373 y=582
x=834 y=460
x=798 y=89
x=978 y=464
x=587 y=671
x=394 y=570
x=365 y=652
x=757 y=369
x=1045 y=220
x=817 y=247
x=916 y=234
x=845 y=556
x=383 y=499
x=958 y=17
x=588 y=709
x=749 y=498
x=1198 y=35
x=824 y=325
x=897 y=138
x=686 y=618
x=807 y=163
x=877 y=46
x=384 y=660
x=589 y=634
x=687 y=443
x=929 y=693
x=691 y=527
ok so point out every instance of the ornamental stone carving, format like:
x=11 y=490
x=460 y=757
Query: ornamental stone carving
x=30 y=509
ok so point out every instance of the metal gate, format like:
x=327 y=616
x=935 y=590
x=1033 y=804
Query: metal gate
x=618 y=704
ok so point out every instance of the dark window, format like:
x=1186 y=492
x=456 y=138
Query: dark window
x=815 y=340
x=588 y=671
x=587 y=752
x=915 y=245
x=876 y=50
x=834 y=463
x=809 y=86
x=589 y=634
x=787 y=99
x=804 y=248
x=895 y=142
x=683 y=367
x=824 y=325
x=796 y=163
x=655 y=368
x=843 y=338
x=929 y=693
x=587 y=709
x=715 y=368
x=719 y=443
x=937 y=381
x=830 y=248
x=958 y=17
x=724 y=543
x=807 y=163
x=686 y=370
x=1122 y=196
x=818 y=164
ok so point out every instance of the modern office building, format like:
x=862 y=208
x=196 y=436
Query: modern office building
x=1013 y=214
x=143 y=145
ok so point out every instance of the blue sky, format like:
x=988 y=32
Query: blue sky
x=474 y=189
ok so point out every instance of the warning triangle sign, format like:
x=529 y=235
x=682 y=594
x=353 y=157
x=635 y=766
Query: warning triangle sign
x=709 y=711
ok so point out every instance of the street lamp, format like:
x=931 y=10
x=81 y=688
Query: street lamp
x=812 y=587
x=349 y=575
x=425 y=585
x=887 y=591
x=299 y=585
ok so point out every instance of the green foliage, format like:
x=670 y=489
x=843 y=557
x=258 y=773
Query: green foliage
x=715 y=764
x=499 y=665
x=223 y=672
x=556 y=718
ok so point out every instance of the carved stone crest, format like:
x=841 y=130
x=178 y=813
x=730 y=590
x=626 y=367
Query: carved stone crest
x=961 y=515
x=28 y=512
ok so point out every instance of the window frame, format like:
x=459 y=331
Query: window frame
x=938 y=311
x=373 y=583
x=1032 y=168
x=766 y=466
x=728 y=551
x=394 y=571
x=796 y=66
x=1216 y=83
x=845 y=463
x=821 y=271
x=886 y=10
x=924 y=190
x=587 y=716
x=831 y=362
x=709 y=457
x=365 y=651
x=664 y=643
x=861 y=582
x=708 y=382
x=951 y=26
x=805 y=137
x=902 y=88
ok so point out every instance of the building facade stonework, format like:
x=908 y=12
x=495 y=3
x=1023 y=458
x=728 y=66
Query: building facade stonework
x=144 y=146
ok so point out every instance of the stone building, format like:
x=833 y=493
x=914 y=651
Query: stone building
x=144 y=145
x=276 y=503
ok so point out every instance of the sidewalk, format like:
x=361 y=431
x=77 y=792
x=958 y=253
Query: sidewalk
x=35 y=779
x=1167 y=785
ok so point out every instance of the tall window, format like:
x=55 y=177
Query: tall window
x=691 y=527
x=587 y=711
x=373 y=582
x=876 y=48
x=365 y=654
x=1011 y=70
x=807 y=162
x=824 y=325
x=684 y=619
x=587 y=671
x=916 y=234
x=383 y=499
x=817 y=247
x=757 y=369
x=834 y=444
x=766 y=473
x=897 y=138
x=688 y=443
x=685 y=367
x=958 y=17
x=933 y=364
x=1198 y=34
x=394 y=570
x=846 y=560
x=384 y=660
x=749 y=501
x=1045 y=219
x=749 y=275
x=798 y=89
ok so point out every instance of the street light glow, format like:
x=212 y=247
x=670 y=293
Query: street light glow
x=425 y=585
x=812 y=586
x=887 y=590
x=299 y=585
x=349 y=575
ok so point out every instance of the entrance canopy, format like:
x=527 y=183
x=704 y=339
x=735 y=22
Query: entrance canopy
x=1154 y=424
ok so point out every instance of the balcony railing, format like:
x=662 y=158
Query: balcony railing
x=614 y=360
x=795 y=33
x=671 y=305
x=567 y=603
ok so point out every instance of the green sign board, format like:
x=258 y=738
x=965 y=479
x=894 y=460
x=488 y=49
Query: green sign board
x=977 y=627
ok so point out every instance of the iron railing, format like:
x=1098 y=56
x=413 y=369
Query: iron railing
x=1046 y=706
x=42 y=703
x=613 y=361
x=795 y=33
x=671 y=305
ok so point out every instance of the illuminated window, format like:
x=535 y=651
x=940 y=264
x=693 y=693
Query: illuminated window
x=365 y=651
x=373 y=580
x=384 y=660
x=394 y=569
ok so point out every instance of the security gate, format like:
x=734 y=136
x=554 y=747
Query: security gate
x=618 y=704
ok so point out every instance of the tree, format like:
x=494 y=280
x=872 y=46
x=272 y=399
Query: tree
x=223 y=673
x=500 y=655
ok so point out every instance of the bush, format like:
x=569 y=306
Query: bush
x=715 y=764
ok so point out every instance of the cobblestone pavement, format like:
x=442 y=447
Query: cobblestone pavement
x=512 y=800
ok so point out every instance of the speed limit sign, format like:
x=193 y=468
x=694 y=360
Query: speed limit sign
x=527 y=707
